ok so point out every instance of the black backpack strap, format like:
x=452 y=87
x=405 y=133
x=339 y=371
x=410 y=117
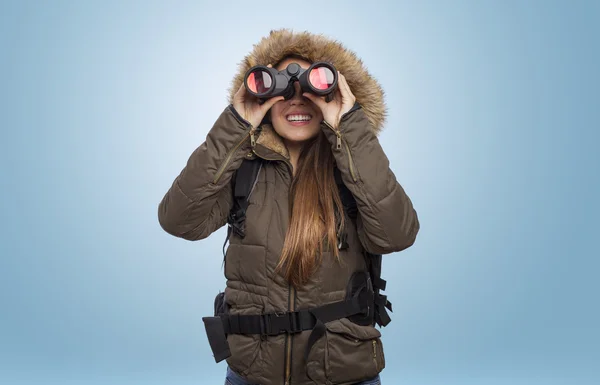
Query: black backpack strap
x=373 y=261
x=244 y=181
x=382 y=318
x=346 y=196
x=269 y=324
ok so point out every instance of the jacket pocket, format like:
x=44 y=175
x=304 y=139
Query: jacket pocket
x=245 y=268
x=349 y=353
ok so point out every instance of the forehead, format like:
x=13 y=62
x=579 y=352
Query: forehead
x=302 y=63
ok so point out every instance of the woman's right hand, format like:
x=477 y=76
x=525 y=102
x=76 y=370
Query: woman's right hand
x=248 y=107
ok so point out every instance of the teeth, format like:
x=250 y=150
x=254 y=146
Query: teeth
x=298 y=118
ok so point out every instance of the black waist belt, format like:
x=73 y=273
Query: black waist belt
x=270 y=324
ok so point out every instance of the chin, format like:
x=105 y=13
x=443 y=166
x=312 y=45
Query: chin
x=300 y=135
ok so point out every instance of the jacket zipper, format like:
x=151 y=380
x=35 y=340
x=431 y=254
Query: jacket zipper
x=338 y=146
x=291 y=298
x=291 y=308
x=352 y=170
x=287 y=366
x=375 y=354
x=233 y=151
x=288 y=338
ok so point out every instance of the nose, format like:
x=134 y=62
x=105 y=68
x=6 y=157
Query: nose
x=297 y=98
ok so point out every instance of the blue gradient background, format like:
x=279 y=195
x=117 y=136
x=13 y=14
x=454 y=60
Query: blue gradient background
x=493 y=132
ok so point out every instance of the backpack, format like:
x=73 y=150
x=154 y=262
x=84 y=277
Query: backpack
x=364 y=304
x=245 y=178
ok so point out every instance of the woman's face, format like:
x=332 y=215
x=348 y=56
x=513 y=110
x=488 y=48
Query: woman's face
x=297 y=119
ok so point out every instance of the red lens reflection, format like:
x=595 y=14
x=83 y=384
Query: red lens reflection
x=321 y=78
x=259 y=81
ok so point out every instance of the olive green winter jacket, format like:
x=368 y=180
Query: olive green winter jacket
x=200 y=198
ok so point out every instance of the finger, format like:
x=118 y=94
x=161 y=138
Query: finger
x=315 y=99
x=334 y=97
x=345 y=88
x=269 y=65
x=347 y=92
x=339 y=94
x=270 y=102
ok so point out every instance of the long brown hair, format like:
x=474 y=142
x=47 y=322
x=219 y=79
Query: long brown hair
x=315 y=205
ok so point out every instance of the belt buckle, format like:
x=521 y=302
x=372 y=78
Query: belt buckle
x=279 y=316
x=281 y=322
x=265 y=325
x=294 y=322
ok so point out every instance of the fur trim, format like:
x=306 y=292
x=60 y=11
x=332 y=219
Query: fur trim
x=270 y=139
x=284 y=42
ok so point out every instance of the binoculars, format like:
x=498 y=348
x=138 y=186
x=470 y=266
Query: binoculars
x=320 y=78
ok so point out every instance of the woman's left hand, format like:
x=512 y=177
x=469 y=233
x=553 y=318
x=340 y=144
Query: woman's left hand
x=342 y=102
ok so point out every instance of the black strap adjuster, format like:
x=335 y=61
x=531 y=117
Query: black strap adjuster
x=295 y=323
x=280 y=322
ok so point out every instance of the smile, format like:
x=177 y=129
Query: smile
x=298 y=118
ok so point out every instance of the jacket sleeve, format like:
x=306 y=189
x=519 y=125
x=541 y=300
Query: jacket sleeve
x=199 y=200
x=387 y=221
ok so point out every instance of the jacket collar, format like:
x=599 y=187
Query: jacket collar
x=272 y=142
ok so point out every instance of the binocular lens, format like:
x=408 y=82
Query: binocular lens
x=321 y=78
x=259 y=81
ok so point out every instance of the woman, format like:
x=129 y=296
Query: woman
x=284 y=266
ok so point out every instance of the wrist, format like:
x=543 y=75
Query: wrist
x=332 y=122
x=240 y=118
x=332 y=125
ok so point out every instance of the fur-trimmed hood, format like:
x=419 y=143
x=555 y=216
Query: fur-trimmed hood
x=284 y=42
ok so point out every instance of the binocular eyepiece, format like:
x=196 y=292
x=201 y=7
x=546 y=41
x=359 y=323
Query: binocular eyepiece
x=320 y=78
